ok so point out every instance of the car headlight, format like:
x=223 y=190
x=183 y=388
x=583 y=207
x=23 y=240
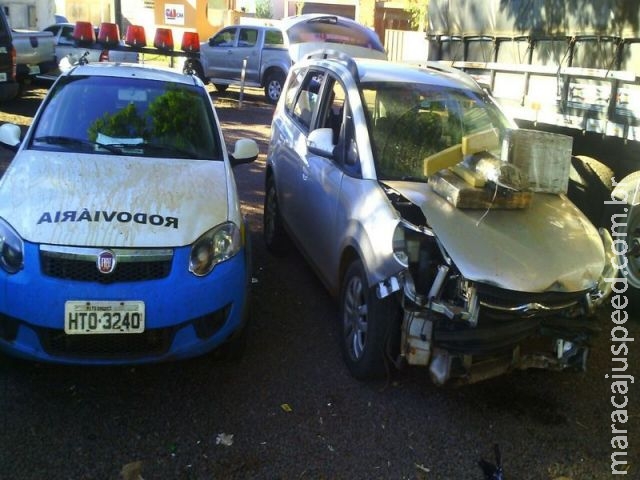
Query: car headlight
x=215 y=246
x=11 y=249
x=399 y=245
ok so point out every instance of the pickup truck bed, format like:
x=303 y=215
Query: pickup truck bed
x=65 y=46
x=35 y=53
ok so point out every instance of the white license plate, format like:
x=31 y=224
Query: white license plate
x=34 y=69
x=3 y=77
x=88 y=317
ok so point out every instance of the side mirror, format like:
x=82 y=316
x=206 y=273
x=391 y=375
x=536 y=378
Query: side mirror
x=10 y=136
x=320 y=142
x=245 y=151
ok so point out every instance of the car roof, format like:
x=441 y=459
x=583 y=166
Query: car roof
x=125 y=70
x=375 y=70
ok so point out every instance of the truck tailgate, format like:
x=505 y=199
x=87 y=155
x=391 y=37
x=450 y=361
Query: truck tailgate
x=33 y=48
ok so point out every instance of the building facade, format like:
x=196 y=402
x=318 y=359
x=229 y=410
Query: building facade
x=29 y=14
x=208 y=16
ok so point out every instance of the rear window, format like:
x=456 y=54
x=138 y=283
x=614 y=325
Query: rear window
x=334 y=30
x=273 y=38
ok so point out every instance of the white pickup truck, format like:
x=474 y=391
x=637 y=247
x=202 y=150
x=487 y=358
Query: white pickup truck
x=65 y=47
x=35 y=54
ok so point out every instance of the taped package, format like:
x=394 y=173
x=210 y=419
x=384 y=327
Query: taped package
x=461 y=194
x=545 y=158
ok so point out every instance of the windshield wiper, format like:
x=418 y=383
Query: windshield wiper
x=69 y=141
x=120 y=148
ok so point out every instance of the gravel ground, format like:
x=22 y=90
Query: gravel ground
x=289 y=409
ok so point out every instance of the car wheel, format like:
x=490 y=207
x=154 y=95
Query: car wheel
x=630 y=259
x=221 y=87
x=367 y=323
x=193 y=67
x=589 y=187
x=275 y=236
x=273 y=86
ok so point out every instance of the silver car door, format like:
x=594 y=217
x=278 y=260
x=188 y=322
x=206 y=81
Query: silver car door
x=248 y=48
x=292 y=168
x=221 y=48
x=322 y=178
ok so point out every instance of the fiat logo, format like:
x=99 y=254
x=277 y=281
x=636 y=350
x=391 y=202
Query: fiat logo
x=106 y=261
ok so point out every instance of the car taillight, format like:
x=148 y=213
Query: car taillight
x=104 y=56
x=14 y=64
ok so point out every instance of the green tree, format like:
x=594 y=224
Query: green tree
x=263 y=9
x=126 y=123
x=172 y=116
x=176 y=112
x=418 y=10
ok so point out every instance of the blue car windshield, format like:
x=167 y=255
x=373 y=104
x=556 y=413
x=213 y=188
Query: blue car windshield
x=128 y=116
x=410 y=122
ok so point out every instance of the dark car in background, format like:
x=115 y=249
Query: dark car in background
x=8 y=85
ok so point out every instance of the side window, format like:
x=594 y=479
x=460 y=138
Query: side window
x=67 y=34
x=307 y=100
x=273 y=39
x=333 y=113
x=248 y=37
x=292 y=89
x=225 y=38
x=336 y=115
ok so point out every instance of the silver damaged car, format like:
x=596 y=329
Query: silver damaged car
x=395 y=183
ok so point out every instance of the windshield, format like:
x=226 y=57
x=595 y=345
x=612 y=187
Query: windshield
x=127 y=116
x=412 y=125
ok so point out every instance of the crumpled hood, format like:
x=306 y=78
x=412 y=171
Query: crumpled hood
x=114 y=201
x=549 y=246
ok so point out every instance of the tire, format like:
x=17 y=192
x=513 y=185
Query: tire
x=589 y=187
x=275 y=236
x=193 y=67
x=221 y=87
x=630 y=232
x=273 y=86
x=367 y=325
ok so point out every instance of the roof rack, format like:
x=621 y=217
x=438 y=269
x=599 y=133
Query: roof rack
x=329 y=53
x=443 y=67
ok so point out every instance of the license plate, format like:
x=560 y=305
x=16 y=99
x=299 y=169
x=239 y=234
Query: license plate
x=34 y=69
x=3 y=77
x=89 y=317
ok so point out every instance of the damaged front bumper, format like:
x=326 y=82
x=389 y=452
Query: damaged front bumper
x=485 y=332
